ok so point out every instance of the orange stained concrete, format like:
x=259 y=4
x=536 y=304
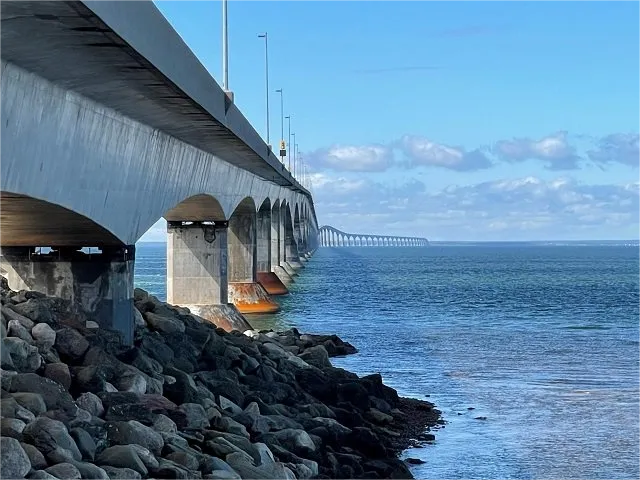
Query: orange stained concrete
x=272 y=283
x=251 y=298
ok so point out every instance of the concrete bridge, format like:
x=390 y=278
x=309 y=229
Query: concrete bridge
x=332 y=237
x=109 y=122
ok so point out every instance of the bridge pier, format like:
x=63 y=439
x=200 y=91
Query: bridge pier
x=278 y=266
x=101 y=284
x=244 y=290
x=266 y=250
x=197 y=272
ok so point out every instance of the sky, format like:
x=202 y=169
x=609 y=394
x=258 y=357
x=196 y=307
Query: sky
x=476 y=121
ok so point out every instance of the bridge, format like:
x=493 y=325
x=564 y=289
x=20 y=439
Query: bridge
x=332 y=237
x=110 y=122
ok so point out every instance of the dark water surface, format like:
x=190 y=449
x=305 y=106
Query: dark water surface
x=540 y=340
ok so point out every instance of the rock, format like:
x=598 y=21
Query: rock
x=195 y=416
x=133 y=432
x=59 y=455
x=187 y=460
x=132 y=382
x=138 y=319
x=12 y=427
x=123 y=456
x=184 y=390
x=296 y=440
x=91 y=403
x=44 y=335
x=92 y=325
x=54 y=395
x=377 y=416
x=47 y=434
x=70 y=343
x=222 y=475
x=228 y=405
x=265 y=456
x=163 y=423
x=11 y=315
x=10 y=408
x=88 y=470
x=14 y=460
x=31 y=401
x=121 y=473
x=164 y=324
x=16 y=329
x=84 y=442
x=58 y=372
x=64 y=471
x=36 y=458
x=6 y=362
x=41 y=475
x=414 y=461
x=35 y=310
x=146 y=456
x=316 y=356
x=24 y=357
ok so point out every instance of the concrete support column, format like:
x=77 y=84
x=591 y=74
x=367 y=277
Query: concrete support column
x=267 y=249
x=197 y=272
x=244 y=290
x=100 y=284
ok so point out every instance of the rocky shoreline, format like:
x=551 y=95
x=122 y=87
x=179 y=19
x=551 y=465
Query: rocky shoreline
x=189 y=400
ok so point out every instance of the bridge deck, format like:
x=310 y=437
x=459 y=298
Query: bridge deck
x=125 y=55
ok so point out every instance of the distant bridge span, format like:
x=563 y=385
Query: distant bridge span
x=332 y=237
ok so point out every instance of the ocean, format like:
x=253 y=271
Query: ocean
x=530 y=351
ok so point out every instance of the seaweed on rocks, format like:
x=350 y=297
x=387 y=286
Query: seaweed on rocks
x=189 y=400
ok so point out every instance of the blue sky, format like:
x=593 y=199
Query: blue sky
x=450 y=120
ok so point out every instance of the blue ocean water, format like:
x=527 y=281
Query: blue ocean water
x=541 y=340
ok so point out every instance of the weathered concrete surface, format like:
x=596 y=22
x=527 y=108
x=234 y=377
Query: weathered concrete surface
x=272 y=284
x=283 y=276
x=225 y=316
x=101 y=284
x=251 y=298
x=196 y=264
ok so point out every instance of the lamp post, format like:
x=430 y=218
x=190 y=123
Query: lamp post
x=266 y=66
x=293 y=151
x=281 y=119
x=225 y=48
x=288 y=117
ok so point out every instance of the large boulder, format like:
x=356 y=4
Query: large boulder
x=133 y=432
x=24 y=357
x=54 y=395
x=47 y=435
x=14 y=460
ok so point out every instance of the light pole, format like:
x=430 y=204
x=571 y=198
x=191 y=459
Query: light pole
x=225 y=48
x=297 y=167
x=266 y=67
x=293 y=151
x=281 y=118
x=288 y=117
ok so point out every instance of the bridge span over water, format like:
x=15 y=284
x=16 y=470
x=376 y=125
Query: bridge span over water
x=109 y=122
x=332 y=237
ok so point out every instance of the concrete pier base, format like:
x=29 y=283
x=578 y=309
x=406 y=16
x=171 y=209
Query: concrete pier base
x=271 y=283
x=101 y=283
x=284 y=277
x=251 y=298
x=295 y=264
x=227 y=317
x=286 y=266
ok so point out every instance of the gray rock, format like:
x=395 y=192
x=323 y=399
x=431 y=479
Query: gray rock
x=274 y=351
x=6 y=362
x=24 y=357
x=316 y=356
x=10 y=408
x=41 y=475
x=85 y=443
x=265 y=455
x=162 y=423
x=14 y=460
x=133 y=432
x=280 y=422
x=196 y=417
x=71 y=343
x=10 y=314
x=296 y=440
x=227 y=424
x=222 y=475
x=121 y=473
x=16 y=329
x=146 y=456
x=58 y=372
x=44 y=335
x=332 y=425
x=59 y=455
x=54 y=395
x=228 y=405
x=38 y=462
x=185 y=459
x=12 y=427
x=6 y=377
x=90 y=324
x=64 y=471
x=132 y=382
x=122 y=456
x=154 y=385
x=31 y=401
x=221 y=447
x=252 y=409
x=88 y=470
x=34 y=309
x=47 y=434
x=164 y=324
x=91 y=403
x=138 y=319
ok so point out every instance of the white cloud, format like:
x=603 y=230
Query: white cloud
x=554 y=150
x=423 y=152
x=366 y=158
